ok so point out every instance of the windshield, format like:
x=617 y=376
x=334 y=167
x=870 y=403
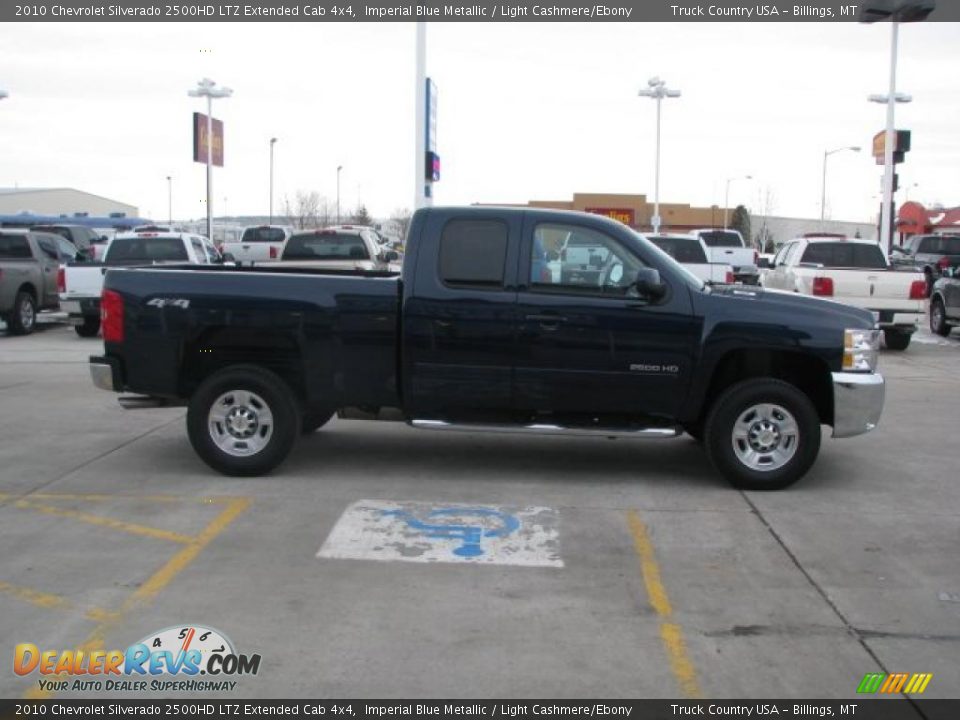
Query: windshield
x=332 y=246
x=946 y=245
x=845 y=255
x=721 y=238
x=144 y=249
x=263 y=234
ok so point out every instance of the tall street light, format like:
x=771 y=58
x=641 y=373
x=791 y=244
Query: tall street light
x=273 y=141
x=339 y=168
x=658 y=90
x=208 y=88
x=823 y=185
x=170 y=200
x=420 y=198
x=726 y=196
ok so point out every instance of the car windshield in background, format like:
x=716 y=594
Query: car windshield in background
x=145 y=249
x=682 y=250
x=14 y=247
x=721 y=238
x=325 y=247
x=947 y=245
x=262 y=234
x=845 y=255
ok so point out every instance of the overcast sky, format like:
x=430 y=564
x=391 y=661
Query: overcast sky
x=526 y=111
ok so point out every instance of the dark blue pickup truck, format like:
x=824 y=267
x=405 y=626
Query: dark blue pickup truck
x=501 y=319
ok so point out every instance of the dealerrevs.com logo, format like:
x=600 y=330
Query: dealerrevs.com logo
x=171 y=660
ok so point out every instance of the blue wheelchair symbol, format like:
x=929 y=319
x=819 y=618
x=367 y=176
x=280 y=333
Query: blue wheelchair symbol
x=470 y=535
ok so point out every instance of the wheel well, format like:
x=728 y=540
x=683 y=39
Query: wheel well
x=29 y=289
x=808 y=374
x=217 y=348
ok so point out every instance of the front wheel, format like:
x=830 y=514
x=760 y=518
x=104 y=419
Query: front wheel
x=762 y=434
x=896 y=339
x=90 y=326
x=243 y=420
x=938 y=318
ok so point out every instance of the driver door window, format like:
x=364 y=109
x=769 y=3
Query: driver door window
x=576 y=260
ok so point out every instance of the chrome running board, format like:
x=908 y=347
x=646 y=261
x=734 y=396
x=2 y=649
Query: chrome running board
x=550 y=429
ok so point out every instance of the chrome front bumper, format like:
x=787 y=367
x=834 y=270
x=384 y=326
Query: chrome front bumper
x=857 y=403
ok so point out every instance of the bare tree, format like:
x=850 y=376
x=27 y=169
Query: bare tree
x=402 y=216
x=308 y=210
x=764 y=238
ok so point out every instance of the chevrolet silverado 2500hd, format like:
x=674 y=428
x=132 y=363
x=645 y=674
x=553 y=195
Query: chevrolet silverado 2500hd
x=476 y=333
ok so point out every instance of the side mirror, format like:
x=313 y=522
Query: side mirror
x=649 y=285
x=228 y=258
x=391 y=256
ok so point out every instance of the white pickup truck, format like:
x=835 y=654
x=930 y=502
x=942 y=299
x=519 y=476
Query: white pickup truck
x=727 y=246
x=81 y=283
x=853 y=272
x=258 y=243
x=691 y=252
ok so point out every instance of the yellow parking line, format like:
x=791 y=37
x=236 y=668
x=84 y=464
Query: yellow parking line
x=49 y=601
x=158 y=581
x=671 y=634
x=132 y=528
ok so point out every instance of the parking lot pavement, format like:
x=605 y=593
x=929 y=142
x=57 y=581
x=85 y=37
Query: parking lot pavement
x=644 y=574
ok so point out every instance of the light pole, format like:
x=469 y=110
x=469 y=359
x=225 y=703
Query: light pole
x=420 y=198
x=658 y=90
x=170 y=200
x=208 y=88
x=273 y=141
x=339 y=168
x=823 y=185
x=726 y=196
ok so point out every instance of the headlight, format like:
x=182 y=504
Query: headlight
x=860 y=350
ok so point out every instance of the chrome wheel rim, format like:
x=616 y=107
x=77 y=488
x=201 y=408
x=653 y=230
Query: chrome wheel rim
x=27 y=314
x=936 y=317
x=240 y=423
x=765 y=437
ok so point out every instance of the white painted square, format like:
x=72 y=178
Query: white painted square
x=443 y=532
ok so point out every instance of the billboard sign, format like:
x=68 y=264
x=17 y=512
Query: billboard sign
x=901 y=145
x=201 y=142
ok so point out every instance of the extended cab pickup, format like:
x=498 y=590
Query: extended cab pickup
x=81 y=283
x=854 y=272
x=473 y=334
x=727 y=247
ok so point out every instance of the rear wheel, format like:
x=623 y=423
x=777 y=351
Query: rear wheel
x=243 y=420
x=89 y=328
x=896 y=339
x=762 y=434
x=23 y=317
x=938 y=318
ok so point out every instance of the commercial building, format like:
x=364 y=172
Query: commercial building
x=60 y=201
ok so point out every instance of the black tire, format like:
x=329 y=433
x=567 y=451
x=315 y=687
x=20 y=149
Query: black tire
x=269 y=391
x=938 y=318
x=928 y=276
x=89 y=328
x=23 y=317
x=313 y=420
x=896 y=339
x=737 y=401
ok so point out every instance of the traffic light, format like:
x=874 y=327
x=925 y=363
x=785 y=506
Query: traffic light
x=898 y=10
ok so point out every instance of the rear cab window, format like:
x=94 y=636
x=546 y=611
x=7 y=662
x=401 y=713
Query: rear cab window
x=845 y=255
x=14 y=247
x=721 y=238
x=683 y=250
x=473 y=253
x=326 y=245
x=147 y=250
x=263 y=234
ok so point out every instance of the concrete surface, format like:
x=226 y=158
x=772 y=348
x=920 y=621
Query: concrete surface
x=672 y=583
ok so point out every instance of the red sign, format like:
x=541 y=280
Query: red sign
x=624 y=215
x=200 y=141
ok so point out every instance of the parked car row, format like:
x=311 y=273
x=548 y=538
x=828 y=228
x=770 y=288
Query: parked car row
x=29 y=265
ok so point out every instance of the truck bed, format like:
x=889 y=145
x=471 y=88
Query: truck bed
x=339 y=328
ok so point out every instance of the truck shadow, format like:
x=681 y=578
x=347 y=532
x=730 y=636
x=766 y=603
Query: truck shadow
x=382 y=449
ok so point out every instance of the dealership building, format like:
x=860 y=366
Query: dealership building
x=60 y=201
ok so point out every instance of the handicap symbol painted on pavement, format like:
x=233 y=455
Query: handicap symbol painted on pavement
x=470 y=535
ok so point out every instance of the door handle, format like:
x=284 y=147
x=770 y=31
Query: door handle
x=546 y=319
x=443 y=324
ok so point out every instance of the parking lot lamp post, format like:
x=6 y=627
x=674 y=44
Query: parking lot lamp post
x=658 y=90
x=726 y=197
x=273 y=141
x=208 y=88
x=339 y=168
x=823 y=185
x=170 y=200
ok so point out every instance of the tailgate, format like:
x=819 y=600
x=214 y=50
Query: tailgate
x=737 y=257
x=253 y=251
x=83 y=280
x=870 y=289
